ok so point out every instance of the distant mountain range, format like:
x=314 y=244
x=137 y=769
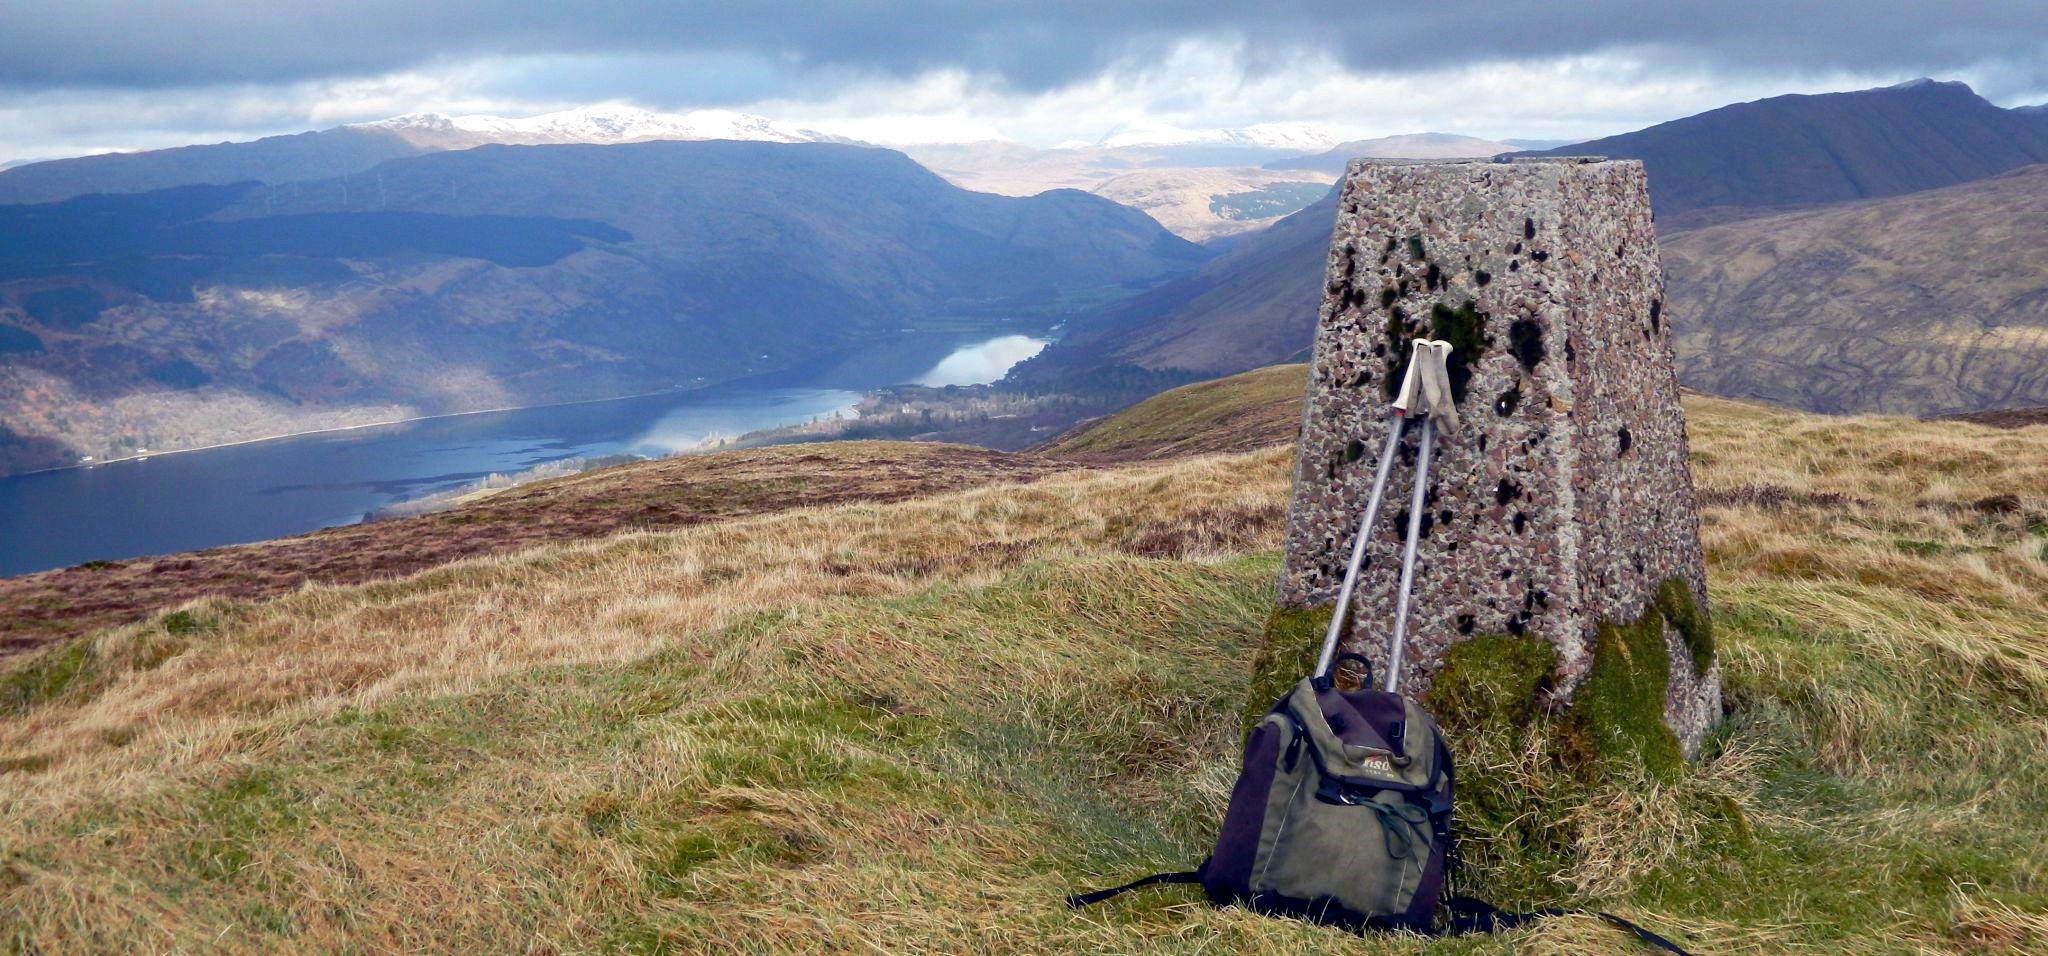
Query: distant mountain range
x=1292 y=137
x=514 y=275
x=1928 y=302
x=1803 y=150
x=1408 y=146
x=347 y=150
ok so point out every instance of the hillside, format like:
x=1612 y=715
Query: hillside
x=915 y=726
x=1245 y=412
x=1204 y=204
x=1802 y=150
x=347 y=150
x=1254 y=305
x=315 y=155
x=1922 y=304
x=503 y=276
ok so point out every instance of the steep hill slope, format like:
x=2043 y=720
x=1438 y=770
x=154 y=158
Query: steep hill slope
x=1205 y=204
x=1252 y=306
x=1812 y=149
x=916 y=726
x=1922 y=304
x=1244 y=412
x=505 y=276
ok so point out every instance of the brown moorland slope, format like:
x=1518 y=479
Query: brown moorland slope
x=646 y=496
x=1920 y=304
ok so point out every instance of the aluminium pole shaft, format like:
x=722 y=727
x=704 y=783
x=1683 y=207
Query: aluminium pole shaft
x=1372 y=511
x=1415 y=507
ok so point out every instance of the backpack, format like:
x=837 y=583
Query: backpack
x=1341 y=814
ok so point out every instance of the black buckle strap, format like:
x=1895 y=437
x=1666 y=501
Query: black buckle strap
x=1477 y=916
x=1079 y=900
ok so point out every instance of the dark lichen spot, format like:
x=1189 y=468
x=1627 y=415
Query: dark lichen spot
x=1482 y=277
x=1514 y=265
x=1398 y=337
x=1465 y=623
x=1415 y=248
x=1508 y=402
x=1521 y=521
x=1624 y=440
x=1387 y=296
x=1505 y=492
x=1465 y=328
x=1657 y=315
x=1540 y=256
x=1435 y=278
x=1525 y=337
x=1444 y=516
x=1515 y=250
x=1528 y=228
x=1354 y=451
x=1391 y=243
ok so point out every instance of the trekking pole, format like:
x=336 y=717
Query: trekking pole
x=1425 y=382
x=1428 y=370
x=1415 y=504
x=1372 y=512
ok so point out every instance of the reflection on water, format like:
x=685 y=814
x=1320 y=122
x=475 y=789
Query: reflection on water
x=700 y=426
x=981 y=362
x=276 y=488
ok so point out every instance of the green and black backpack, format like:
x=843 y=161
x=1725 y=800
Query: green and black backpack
x=1342 y=811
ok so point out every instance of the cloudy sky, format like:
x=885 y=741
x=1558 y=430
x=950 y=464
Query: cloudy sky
x=82 y=76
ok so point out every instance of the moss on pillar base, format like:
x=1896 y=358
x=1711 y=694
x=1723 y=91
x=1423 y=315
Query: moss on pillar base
x=1492 y=685
x=1490 y=681
x=1287 y=652
x=1695 y=627
x=1617 y=712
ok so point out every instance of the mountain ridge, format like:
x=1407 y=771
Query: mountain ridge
x=519 y=275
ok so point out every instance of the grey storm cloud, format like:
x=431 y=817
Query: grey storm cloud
x=1030 y=45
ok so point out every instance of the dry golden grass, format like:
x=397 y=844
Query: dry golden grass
x=448 y=630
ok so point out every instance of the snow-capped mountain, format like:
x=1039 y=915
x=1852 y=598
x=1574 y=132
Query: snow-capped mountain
x=1303 y=137
x=599 y=124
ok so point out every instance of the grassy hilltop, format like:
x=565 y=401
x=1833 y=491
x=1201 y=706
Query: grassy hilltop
x=914 y=725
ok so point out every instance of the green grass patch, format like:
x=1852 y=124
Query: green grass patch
x=934 y=772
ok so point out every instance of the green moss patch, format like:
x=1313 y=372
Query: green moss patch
x=1617 y=712
x=1490 y=680
x=1287 y=652
x=1695 y=626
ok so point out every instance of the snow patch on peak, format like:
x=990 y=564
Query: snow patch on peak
x=604 y=124
x=1304 y=137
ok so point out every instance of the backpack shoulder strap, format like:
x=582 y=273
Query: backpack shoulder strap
x=1469 y=915
x=1079 y=900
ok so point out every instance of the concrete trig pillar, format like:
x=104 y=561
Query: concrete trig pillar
x=1562 y=510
